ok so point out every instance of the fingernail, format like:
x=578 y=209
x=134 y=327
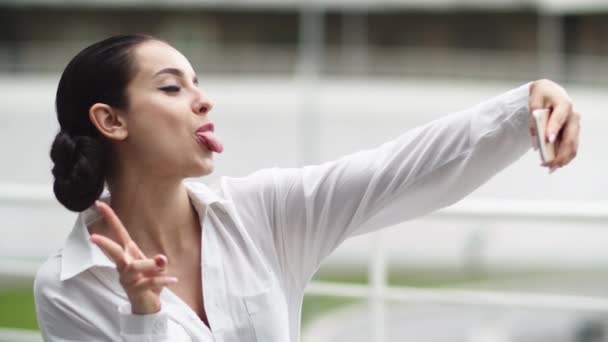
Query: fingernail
x=552 y=138
x=160 y=261
x=552 y=169
x=172 y=279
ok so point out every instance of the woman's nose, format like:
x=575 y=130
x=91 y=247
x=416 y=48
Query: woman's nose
x=202 y=105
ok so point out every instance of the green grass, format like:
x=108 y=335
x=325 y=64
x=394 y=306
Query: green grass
x=315 y=306
x=17 y=309
x=412 y=278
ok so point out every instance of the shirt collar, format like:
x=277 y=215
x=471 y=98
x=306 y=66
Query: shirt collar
x=79 y=253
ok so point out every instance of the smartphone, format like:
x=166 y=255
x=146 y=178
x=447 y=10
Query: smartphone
x=546 y=149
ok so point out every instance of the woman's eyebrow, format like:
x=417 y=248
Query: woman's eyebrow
x=176 y=72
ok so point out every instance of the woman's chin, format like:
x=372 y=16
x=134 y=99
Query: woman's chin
x=205 y=168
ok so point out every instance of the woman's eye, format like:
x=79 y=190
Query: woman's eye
x=171 y=89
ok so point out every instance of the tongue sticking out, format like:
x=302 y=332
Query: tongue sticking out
x=211 y=141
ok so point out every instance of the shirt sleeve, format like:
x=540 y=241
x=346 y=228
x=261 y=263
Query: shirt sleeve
x=309 y=211
x=143 y=328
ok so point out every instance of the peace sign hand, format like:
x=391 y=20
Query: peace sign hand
x=142 y=278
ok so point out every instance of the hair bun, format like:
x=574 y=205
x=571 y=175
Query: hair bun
x=79 y=170
x=63 y=153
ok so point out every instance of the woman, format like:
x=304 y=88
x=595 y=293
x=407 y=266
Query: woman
x=178 y=261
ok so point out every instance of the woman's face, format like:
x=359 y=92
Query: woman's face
x=166 y=108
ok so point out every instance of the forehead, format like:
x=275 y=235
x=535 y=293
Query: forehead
x=152 y=56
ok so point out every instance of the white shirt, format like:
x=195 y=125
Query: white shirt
x=265 y=235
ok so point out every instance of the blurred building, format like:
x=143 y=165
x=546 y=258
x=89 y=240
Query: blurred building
x=501 y=39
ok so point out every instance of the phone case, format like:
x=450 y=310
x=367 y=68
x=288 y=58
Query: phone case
x=546 y=149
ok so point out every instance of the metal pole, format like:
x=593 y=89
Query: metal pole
x=377 y=280
x=355 y=42
x=310 y=61
x=551 y=45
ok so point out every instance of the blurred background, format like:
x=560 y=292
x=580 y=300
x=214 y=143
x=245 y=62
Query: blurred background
x=298 y=82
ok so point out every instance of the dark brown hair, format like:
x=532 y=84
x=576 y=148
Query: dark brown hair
x=98 y=74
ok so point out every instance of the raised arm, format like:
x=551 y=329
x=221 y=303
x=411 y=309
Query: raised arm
x=311 y=210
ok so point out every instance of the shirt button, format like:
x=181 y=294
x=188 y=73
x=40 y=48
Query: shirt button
x=159 y=326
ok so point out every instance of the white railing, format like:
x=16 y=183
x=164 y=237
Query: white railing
x=19 y=335
x=378 y=291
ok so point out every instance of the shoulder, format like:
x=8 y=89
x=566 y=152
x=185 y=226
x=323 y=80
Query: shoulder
x=73 y=309
x=82 y=292
x=235 y=188
x=260 y=181
x=47 y=280
x=48 y=284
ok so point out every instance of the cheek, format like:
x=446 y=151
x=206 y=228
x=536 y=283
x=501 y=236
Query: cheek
x=159 y=131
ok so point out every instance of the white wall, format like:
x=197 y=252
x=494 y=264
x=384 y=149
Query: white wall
x=257 y=119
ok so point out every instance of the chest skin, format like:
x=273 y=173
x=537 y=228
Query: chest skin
x=184 y=265
x=187 y=268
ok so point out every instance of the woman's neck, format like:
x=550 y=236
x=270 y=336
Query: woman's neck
x=157 y=214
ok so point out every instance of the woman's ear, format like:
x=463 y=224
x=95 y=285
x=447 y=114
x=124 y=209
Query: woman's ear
x=108 y=121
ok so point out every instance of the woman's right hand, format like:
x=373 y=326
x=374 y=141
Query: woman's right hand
x=142 y=278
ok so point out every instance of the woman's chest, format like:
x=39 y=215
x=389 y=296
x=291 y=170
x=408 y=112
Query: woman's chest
x=243 y=299
x=240 y=284
x=189 y=290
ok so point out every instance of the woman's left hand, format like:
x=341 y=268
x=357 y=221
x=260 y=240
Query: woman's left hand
x=564 y=121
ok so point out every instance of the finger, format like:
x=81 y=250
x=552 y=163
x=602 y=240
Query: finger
x=134 y=251
x=155 y=283
x=137 y=269
x=114 y=250
x=140 y=266
x=161 y=260
x=147 y=267
x=552 y=165
x=114 y=222
x=568 y=146
x=537 y=100
x=159 y=263
x=128 y=280
x=559 y=116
